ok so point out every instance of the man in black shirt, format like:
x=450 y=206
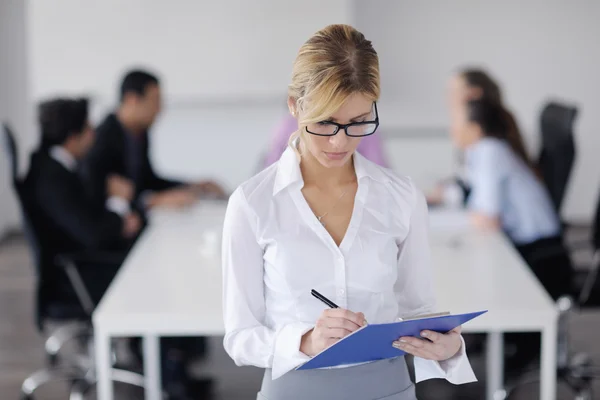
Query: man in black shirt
x=123 y=143
x=122 y=147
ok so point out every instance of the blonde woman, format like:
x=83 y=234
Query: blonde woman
x=323 y=217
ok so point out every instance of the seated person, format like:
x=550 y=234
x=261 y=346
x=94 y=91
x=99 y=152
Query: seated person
x=122 y=147
x=69 y=221
x=475 y=84
x=505 y=193
x=370 y=147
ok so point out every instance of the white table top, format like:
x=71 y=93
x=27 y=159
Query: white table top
x=479 y=271
x=171 y=282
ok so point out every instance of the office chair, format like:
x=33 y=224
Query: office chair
x=78 y=369
x=590 y=295
x=558 y=149
x=556 y=162
x=11 y=152
x=575 y=370
x=62 y=334
x=77 y=314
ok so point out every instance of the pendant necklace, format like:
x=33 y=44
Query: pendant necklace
x=320 y=217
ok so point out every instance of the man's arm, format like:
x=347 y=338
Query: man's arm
x=153 y=182
x=91 y=227
x=95 y=171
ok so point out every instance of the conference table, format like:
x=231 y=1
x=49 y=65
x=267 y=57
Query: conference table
x=170 y=285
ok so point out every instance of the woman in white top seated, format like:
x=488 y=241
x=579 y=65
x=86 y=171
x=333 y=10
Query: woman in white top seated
x=323 y=217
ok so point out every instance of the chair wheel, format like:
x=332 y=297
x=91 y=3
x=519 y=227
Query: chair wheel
x=26 y=397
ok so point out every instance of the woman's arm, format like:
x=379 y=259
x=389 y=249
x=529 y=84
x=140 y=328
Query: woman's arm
x=485 y=199
x=247 y=340
x=484 y=221
x=415 y=295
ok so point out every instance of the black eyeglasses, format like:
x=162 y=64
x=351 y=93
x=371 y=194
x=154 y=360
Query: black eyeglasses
x=354 y=129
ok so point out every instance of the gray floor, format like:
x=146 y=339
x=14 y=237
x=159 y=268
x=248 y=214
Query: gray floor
x=21 y=347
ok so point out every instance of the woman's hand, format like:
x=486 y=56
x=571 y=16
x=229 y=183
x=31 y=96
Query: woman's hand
x=210 y=188
x=334 y=324
x=436 y=346
x=436 y=195
x=485 y=222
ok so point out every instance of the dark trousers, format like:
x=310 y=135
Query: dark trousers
x=176 y=353
x=550 y=262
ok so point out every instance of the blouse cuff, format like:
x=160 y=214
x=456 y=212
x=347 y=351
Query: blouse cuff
x=118 y=205
x=456 y=370
x=287 y=354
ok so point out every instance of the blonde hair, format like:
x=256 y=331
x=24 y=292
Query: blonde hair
x=335 y=63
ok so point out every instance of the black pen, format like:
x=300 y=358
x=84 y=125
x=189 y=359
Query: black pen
x=325 y=300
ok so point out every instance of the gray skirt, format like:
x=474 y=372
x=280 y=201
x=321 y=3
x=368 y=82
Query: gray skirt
x=379 y=380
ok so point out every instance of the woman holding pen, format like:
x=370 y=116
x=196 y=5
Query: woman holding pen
x=325 y=218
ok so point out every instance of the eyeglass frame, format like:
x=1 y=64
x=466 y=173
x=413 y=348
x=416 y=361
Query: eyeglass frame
x=345 y=126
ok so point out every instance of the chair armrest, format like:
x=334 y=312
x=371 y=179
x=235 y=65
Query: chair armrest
x=90 y=259
x=584 y=295
x=72 y=262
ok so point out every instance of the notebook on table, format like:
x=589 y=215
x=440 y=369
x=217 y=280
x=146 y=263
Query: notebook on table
x=374 y=341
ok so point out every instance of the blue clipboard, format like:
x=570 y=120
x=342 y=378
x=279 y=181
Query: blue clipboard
x=374 y=342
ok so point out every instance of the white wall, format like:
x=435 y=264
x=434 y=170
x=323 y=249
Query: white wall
x=537 y=49
x=204 y=49
x=14 y=100
x=225 y=67
x=226 y=72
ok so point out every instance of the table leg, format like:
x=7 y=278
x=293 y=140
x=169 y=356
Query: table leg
x=548 y=361
x=103 y=365
x=495 y=364
x=152 y=384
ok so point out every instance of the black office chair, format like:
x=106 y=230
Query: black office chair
x=558 y=149
x=11 y=152
x=575 y=370
x=587 y=280
x=63 y=334
x=75 y=315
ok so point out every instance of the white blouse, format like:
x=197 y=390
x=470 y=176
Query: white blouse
x=275 y=251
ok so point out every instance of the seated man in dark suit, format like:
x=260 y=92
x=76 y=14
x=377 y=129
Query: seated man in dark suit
x=122 y=147
x=73 y=221
x=69 y=220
